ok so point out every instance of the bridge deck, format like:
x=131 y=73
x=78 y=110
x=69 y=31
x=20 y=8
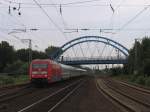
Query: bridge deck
x=83 y=61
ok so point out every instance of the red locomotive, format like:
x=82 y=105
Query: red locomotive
x=46 y=70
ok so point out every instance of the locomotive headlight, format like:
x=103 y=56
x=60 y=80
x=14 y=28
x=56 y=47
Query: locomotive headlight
x=44 y=72
x=39 y=73
x=35 y=72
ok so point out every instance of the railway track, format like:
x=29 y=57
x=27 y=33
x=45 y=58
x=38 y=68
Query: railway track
x=129 y=98
x=13 y=90
x=139 y=88
x=27 y=96
x=13 y=86
x=138 y=94
x=8 y=89
x=14 y=94
x=52 y=101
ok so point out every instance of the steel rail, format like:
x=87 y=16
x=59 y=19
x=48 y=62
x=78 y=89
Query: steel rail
x=144 y=90
x=9 y=96
x=128 y=96
x=64 y=98
x=47 y=97
x=6 y=93
x=102 y=90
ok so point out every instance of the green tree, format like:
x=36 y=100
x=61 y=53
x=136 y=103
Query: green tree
x=51 y=50
x=23 y=55
x=139 y=57
x=7 y=55
x=15 y=67
x=39 y=55
x=146 y=55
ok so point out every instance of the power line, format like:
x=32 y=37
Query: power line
x=73 y=30
x=18 y=31
x=132 y=19
x=75 y=4
x=57 y=4
x=64 y=23
x=104 y=30
x=50 y=19
x=15 y=22
x=120 y=4
x=81 y=2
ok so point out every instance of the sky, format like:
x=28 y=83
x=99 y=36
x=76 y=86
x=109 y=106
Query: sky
x=54 y=19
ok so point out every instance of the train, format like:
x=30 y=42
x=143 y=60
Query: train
x=49 y=71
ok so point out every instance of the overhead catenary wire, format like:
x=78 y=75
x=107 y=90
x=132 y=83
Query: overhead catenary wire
x=12 y=32
x=80 y=6
x=14 y=36
x=15 y=30
x=133 y=18
x=80 y=2
x=50 y=19
x=104 y=30
x=111 y=24
x=120 y=4
x=60 y=14
x=76 y=4
x=64 y=23
x=3 y=31
x=56 y=4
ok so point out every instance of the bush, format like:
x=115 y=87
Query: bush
x=13 y=67
x=8 y=81
x=17 y=67
x=21 y=79
x=140 y=80
x=12 y=80
x=4 y=80
x=116 y=71
x=133 y=78
x=147 y=82
x=24 y=68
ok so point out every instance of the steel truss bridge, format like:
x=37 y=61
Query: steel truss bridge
x=94 y=60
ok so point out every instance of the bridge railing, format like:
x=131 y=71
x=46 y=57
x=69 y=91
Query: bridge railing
x=92 y=58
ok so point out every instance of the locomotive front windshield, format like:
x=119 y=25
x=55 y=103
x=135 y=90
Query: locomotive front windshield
x=39 y=65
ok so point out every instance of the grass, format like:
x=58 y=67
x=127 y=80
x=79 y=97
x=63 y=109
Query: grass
x=6 y=80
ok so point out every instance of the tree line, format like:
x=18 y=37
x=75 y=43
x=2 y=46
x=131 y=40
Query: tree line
x=16 y=61
x=139 y=58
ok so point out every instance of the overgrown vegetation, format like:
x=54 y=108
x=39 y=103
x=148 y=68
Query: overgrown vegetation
x=13 y=80
x=139 y=58
x=132 y=78
x=137 y=70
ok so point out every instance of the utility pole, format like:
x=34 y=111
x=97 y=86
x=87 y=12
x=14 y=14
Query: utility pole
x=30 y=48
x=135 y=57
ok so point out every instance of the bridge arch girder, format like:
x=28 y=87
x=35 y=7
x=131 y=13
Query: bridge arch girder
x=84 y=39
